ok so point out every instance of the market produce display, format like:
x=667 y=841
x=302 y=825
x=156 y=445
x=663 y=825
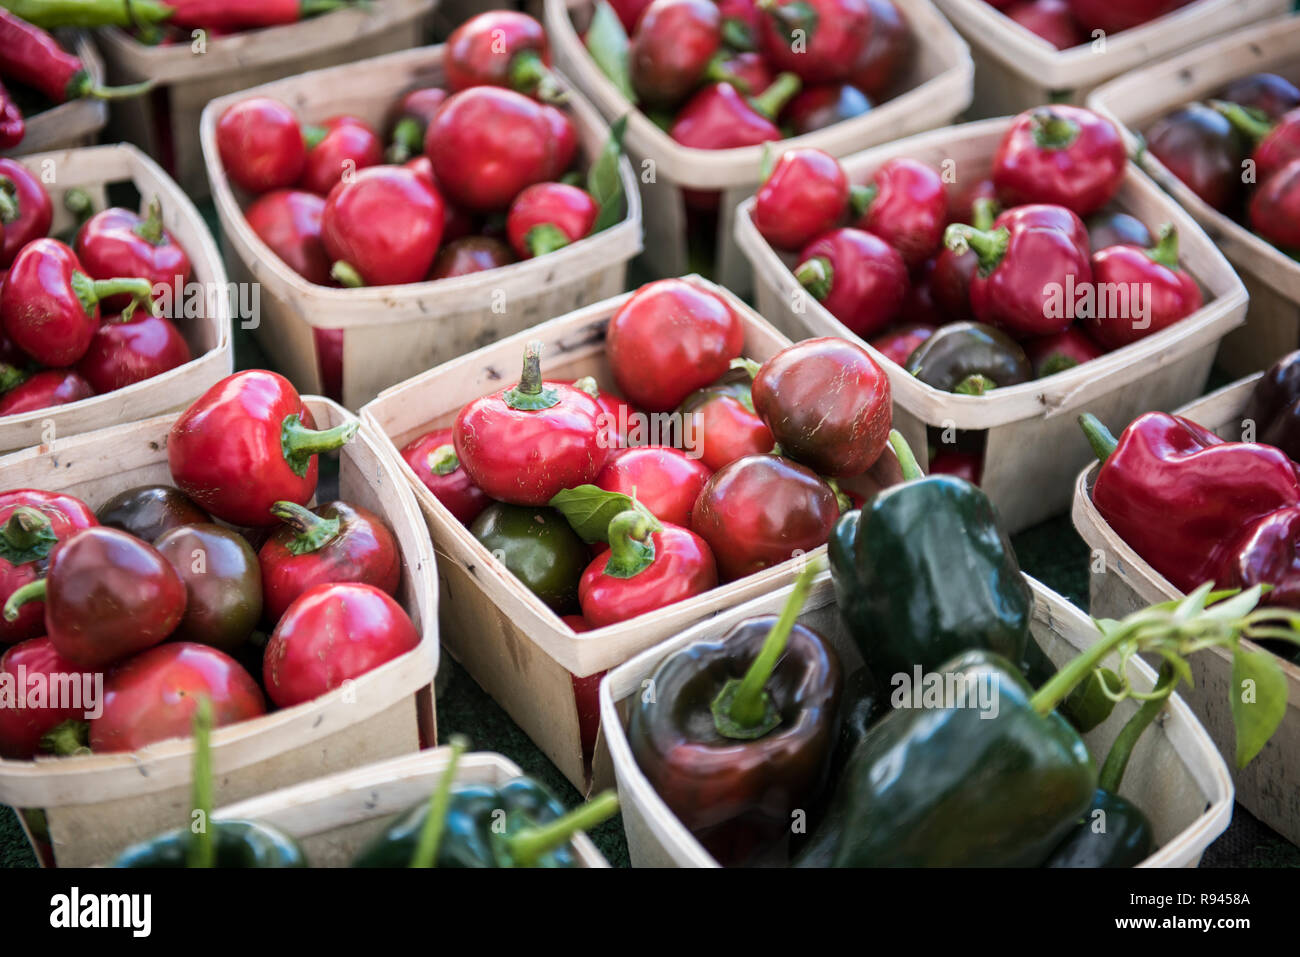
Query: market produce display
x=1069 y=23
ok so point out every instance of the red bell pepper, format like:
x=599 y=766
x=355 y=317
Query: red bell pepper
x=621 y=418
x=1064 y=155
x=666 y=481
x=433 y=459
x=740 y=26
x=805 y=195
x=1276 y=144
x=1062 y=351
x=644 y=569
x=906 y=204
x=719 y=117
x=1264 y=553
x=45 y=390
x=1275 y=208
x=32 y=524
x=820 y=40
x=288 y=220
x=32 y=669
x=30 y=56
x=247 y=443
x=130 y=349
x=723 y=424
x=524 y=444
x=897 y=344
x=1157 y=291
x=261 y=144
x=12 y=126
x=748 y=72
x=382 y=228
x=673 y=50
x=548 y=216
x=500 y=48
x=1175 y=492
x=953 y=271
x=25 y=209
x=860 y=279
x=119 y=242
x=336 y=149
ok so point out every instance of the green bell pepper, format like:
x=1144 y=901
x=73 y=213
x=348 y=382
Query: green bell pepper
x=1113 y=833
x=539 y=548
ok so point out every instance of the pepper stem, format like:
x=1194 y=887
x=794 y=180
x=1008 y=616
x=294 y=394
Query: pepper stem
x=408 y=140
x=976 y=384
x=67 y=739
x=861 y=198
x=984 y=212
x=435 y=822
x=1112 y=770
x=202 y=850
x=772 y=101
x=150 y=229
x=816 y=275
x=631 y=545
x=32 y=591
x=26 y=536
x=346 y=275
x=746 y=363
x=990 y=246
x=314 y=531
x=528 y=74
x=906 y=458
x=11 y=377
x=545 y=238
x=91 y=292
x=527 y=847
x=1099 y=437
x=1247 y=123
x=531 y=394
x=1053 y=131
x=299 y=443
x=83 y=84
x=443 y=460
x=9 y=211
x=313 y=134
x=737 y=35
x=78 y=202
x=1165 y=251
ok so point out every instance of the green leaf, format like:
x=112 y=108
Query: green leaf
x=589 y=510
x=603 y=182
x=1258 y=699
x=608 y=45
x=1237 y=607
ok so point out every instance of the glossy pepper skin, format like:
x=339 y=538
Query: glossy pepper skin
x=1168 y=291
x=928 y=575
x=1275 y=206
x=549 y=216
x=1264 y=552
x=341 y=145
x=1064 y=350
x=1175 y=491
x=887 y=51
x=724 y=426
x=223 y=584
x=645 y=568
x=288 y=220
x=860 y=279
x=820 y=40
x=1126 y=839
x=261 y=144
x=818 y=107
x=119 y=242
x=239 y=844
x=247 y=443
x=1199 y=146
x=45 y=390
x=1114 y=17
x=25 y=209
x=905 y=203
x=382 y=227
x=433 y=459
x=32 y=524
x=150 y=511
x=1049 y=19
x=538 y=547
x=1276 y=144
x=969 y=358
x=470 y=254
x=499 y=48
x=736 y=796
x=898 y=343
x=720 y=117
x=12 y=125
x=23 y=727
x=334 y=542
x=951 y=276
x=666 y=481
x=671 y=49
x=410 y=121
x=1065 y=155
x=1274 y=406
x=1113 y=228
x=128 y=350
x=916 y=792
x=806 y=195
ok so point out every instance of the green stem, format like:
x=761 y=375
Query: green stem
x=443 y=460
x=772 y=101
x=1249 y=125
x=1057 y=688
x=150 y=229
x=984 y=212
x=861 y=198
x=26 y=536
x=976 y=384
x=1099 y=437
x=32 y=591
x=749 y=365
x=1112 y=771
x=528 y=74
x=989 y=245
x=737 y=35
x=906 y=458
x=69 y=739
x=1165 y=251
x=816 y=275
x=631 y=544
x=83 y=84
x=1053 y=131
x=545 y=238
x=202 y=849
x=435 y=822
x=314 y=532
x=9 y=211
x=299 y=443
x=11 y=377
x=313 y=134
x=346 y=275
x=531 y=394
x=78 y=202
x=527 y=847
x=91 y=292
x=408 y=140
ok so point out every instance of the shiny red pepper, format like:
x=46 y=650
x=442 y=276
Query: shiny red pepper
x=32 y=669
x=860 y=279
x=288 y=220
x=1275 y=208
x=382 y=228
x=818 y=107
x=897 y=344
x=524 y=444
x=1154 y=292
x=237 y=15
x=433 y=459
x=500 y=48
x=1264 y=553
x=719 y=117
x=1276 y=144
x=749 y=73
x=1065 y=155
x=950 y=280
x=805 y=195
x=12 y=126
x=673 y=49
x=32 y=524
x=45 y=390
x=470 y=254
x=821 y=40
x=1050 y=20
x=1062 y=351
x=887 y=52
x=30 y=56
x=336 y=149
x=129 y=350
x=645 y=568
x=50 y=307
x=1111 y=17
x=25 y=209
x=1175 y=492
x=119 y=242
x=261 y=144
x=620 y=418
x=740 y=26
x=548 y=216
x=666 y=481
x=906 y=204
x=247 y=443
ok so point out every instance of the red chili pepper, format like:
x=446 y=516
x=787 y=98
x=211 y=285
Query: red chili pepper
x=858 y=277
x=1275 y=208
x=548 y=216
x=382 y=228
x=119 y=242
x=1025 y=262
x=45 y=390
x=415 y=111
x=827 y=403
x=1050 y=20
x=470 y=254
x=906 y=204
x=668 y=340
x=674 y=49
x=334 y=542
x=289 y=221
x=1149 y=288
x=666 y=481
x=32 y=524
x=886 y=53
x=1175 y=492
x=644 y=569
x=1264 y=553
x=126 y=350
x=724 y=426
x=898 y=344
x=340 y=146
x=1276 y=144
x=332 y=633
x=30 y=56
x=1111 y=17
x=500 y=48
x=1064 y=155
x=31 y=669
x=25 y=209
x=50 y=307
x=818 y=107
x=805 y=195
x=718 y=117
x=526 y=443
x=761 y=511
x=1062 y=351
x=488 y=144
x=433 y=459
x=152 y=696
x=107 y=596
x=261 y=144
x=821 y=40
x=247 y=443
x=237 y=15
x=12 y=126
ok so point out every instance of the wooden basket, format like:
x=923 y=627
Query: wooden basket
x=75 y=123
x=1272 y=277
x=393 y=332
x=1270 y=785
x=98 y=804
x=513 y=645
x=166 y=122
x=1034 y=447
x=94 y=169
x=1016 y=70
x=938 y=90
x=1175 y=776
x=333 y=818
